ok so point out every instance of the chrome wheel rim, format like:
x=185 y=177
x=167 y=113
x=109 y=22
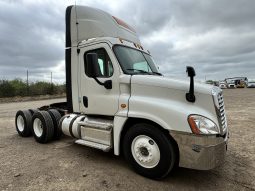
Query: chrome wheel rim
x=37 y=126
x=145 y=151
x=20 y=123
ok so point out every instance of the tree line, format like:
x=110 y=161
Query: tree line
x=17 y=87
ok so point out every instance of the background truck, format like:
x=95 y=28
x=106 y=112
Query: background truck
x=117 y=100
x=251 y=83
x=222 y=84
x=237 y=82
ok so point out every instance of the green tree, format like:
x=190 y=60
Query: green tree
x=6 y=89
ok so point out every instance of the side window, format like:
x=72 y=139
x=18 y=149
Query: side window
x=104 y=62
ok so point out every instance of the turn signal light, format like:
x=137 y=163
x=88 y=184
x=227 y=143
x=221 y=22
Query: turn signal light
x=193 y=125
x=123 y=106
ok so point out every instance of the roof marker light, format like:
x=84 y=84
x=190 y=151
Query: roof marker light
x=121 y=40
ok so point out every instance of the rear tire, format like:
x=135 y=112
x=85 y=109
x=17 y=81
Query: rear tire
x=43 y=127
x=32 y=111
x=23 y=123
x=55 y=116
x=149 y=151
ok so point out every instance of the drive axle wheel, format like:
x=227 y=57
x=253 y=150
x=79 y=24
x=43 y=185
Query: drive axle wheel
x=149 y=150
x=23 y=122
x=55 y=116
x=43 y=127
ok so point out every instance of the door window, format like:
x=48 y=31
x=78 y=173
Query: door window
x=104 y=62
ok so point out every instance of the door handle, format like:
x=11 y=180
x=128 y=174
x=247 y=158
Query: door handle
x=85 y=101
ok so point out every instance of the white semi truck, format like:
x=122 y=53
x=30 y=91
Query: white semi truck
x=117 y=100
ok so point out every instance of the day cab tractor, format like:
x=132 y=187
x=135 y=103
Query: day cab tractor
x=117 y=100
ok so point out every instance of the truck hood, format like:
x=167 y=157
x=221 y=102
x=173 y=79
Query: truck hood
x=165 y=82
x=163 y=100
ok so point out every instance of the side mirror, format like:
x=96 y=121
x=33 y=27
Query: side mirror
x=190 y=71
x=92 y=66
x=93 y=70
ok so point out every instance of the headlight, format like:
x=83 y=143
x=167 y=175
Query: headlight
x=202 y=125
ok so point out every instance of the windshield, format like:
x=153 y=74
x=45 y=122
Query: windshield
x=133 y=61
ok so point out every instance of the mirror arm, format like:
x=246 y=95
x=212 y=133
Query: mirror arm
x=100 y=83
x=190 y=97
x=107 y=84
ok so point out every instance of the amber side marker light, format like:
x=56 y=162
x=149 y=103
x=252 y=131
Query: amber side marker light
x=121 y=40
x=193 y=125
x=123 y=106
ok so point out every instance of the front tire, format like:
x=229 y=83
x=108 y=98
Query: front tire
x=149 y=151
x=43 y=127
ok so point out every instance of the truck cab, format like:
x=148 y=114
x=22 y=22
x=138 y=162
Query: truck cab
x=118 y=100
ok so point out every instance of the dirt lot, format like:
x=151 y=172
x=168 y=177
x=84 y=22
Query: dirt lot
x=63 y=165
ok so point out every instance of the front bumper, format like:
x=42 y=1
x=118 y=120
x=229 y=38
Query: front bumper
x=200 y=152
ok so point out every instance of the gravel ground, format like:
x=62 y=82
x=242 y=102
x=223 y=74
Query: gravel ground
x=63 y=165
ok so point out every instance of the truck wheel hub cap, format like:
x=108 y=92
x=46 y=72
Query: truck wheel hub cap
x=145 y=151
x=38 y=129
x=20 y=123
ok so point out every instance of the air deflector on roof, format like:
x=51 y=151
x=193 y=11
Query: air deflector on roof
x=93 y=23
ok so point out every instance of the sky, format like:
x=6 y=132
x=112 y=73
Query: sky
x=216 y=37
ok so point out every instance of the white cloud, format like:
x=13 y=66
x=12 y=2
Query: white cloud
x=217 y=37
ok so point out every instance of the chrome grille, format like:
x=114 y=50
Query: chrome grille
x=221 y=113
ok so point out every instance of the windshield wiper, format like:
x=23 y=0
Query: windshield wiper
x=157 y=73
x=144 y=72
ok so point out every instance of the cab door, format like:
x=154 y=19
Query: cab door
x=95 y=98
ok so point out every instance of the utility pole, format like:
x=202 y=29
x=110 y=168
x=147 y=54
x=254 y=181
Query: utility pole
x=51 y=78
x=27 y=84
x=51 y=85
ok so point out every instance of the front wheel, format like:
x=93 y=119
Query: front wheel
x=149 y=151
